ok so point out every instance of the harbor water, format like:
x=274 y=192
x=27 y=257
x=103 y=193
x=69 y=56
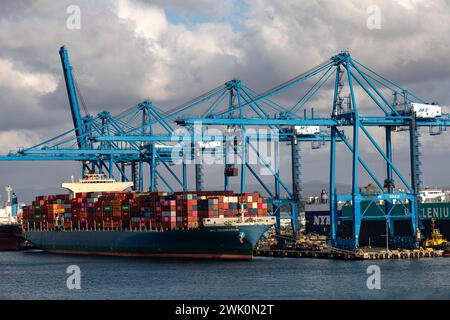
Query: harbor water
x=40 y=275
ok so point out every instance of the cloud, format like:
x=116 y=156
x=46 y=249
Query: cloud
x=22 y=91
x=171 y=51
x=40 y=83
x=150 y=21
x=10 y=141
x=188 y=11
x=180 y=57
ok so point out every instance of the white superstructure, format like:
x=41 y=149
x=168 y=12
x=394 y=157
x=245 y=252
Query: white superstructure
x=7 y=215
x=96 y=183
x=432 y=195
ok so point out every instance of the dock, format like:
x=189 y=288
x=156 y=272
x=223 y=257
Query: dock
x=339 y=254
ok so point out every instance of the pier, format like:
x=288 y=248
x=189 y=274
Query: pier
x=338 y=254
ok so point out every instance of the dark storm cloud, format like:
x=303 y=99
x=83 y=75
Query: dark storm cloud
x=15 y=8
x=171 y=51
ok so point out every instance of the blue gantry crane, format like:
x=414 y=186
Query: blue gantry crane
x=166 y=141
x=410 y=114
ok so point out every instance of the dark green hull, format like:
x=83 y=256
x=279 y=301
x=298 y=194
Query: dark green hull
x=427 y=211
x=217 y=242
x=374 y=230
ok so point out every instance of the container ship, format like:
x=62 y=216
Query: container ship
x=216 y=225
x=433 y=214
x=10 y=230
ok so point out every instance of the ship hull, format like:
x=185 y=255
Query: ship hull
x=218 y=242
x=10 y=238
x=373 y=232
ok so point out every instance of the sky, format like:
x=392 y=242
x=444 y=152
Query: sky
x=126 y=51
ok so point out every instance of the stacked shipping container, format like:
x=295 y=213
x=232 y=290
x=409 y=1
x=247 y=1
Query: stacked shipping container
x=138 y=210
x=45 y=210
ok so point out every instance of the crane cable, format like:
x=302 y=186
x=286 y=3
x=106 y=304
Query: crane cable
x=77 y=88
x=190 y=102
x=296 y=78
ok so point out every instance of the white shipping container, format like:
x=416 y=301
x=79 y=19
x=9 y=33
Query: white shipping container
x=209 y=144
x=426 y=110
x=163 y=146
x=423 y=111
x=307 y=130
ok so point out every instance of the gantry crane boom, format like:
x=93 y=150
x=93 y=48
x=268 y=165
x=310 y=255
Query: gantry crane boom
x=72 y=96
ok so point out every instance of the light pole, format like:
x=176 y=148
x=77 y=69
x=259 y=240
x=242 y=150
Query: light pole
x=387 y=234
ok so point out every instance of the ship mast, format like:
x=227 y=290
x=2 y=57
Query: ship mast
x=9 y=191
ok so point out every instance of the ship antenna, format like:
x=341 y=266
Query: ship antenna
x=9 y=192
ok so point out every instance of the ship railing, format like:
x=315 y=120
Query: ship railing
x=39 y=227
